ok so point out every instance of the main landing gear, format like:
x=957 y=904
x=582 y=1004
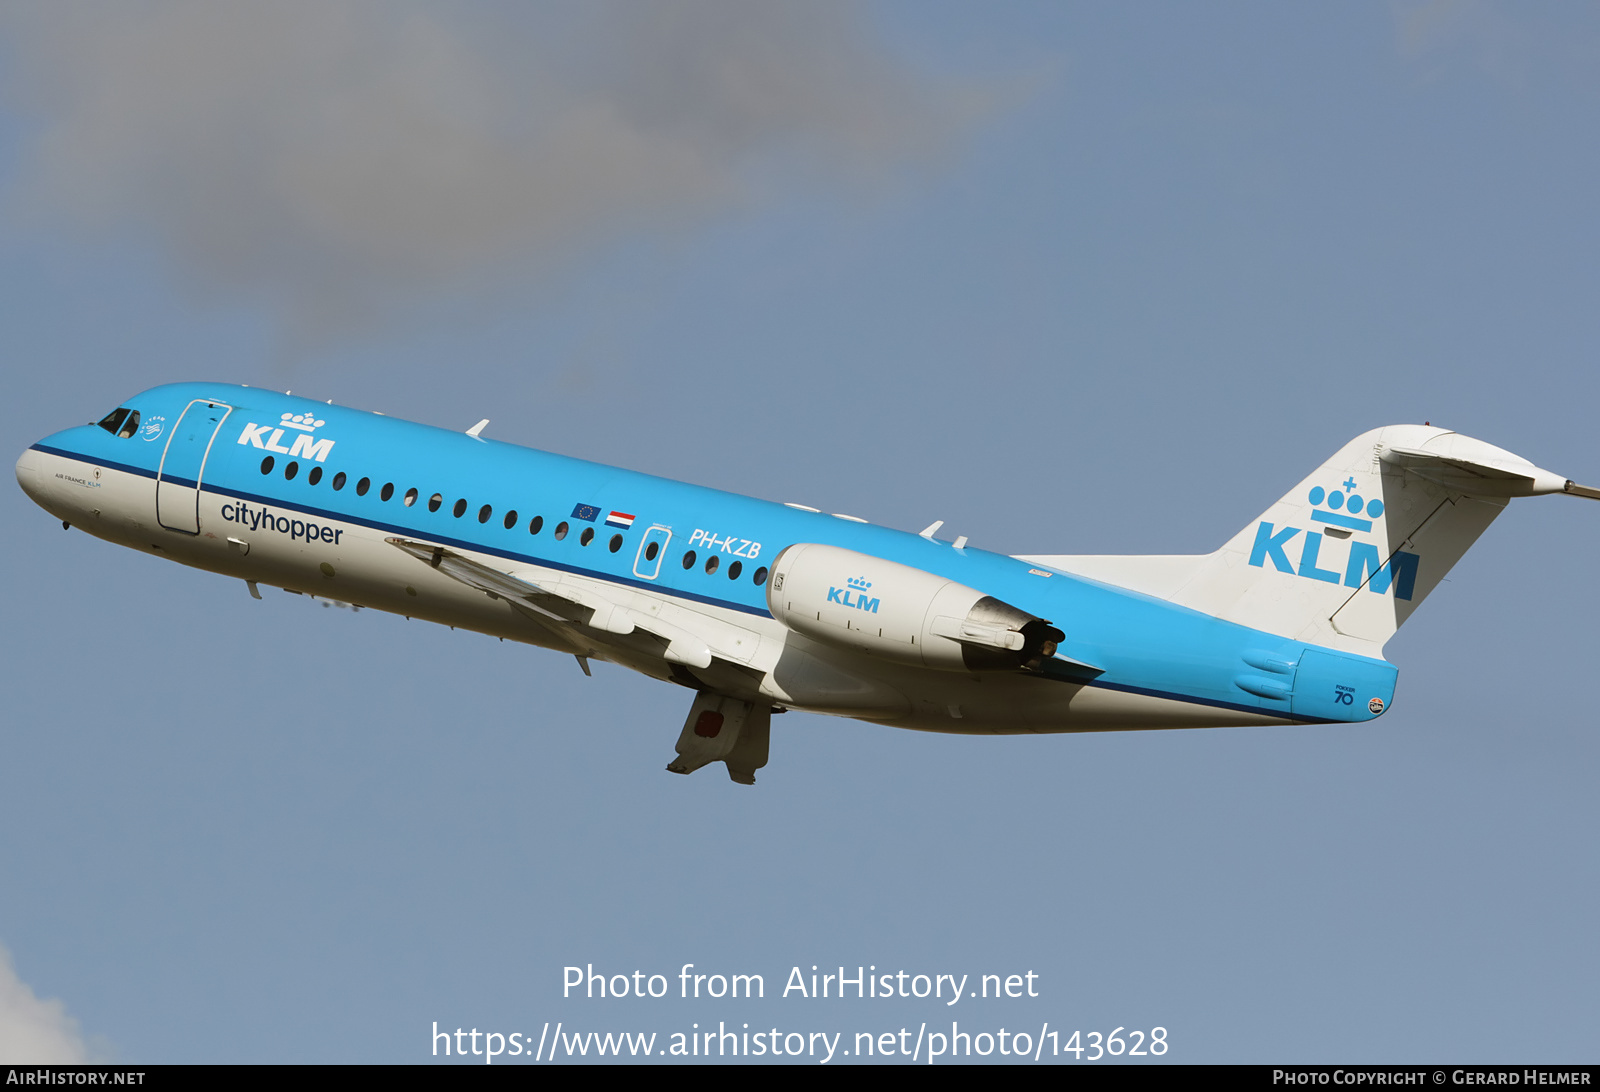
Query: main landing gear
x=721 y=729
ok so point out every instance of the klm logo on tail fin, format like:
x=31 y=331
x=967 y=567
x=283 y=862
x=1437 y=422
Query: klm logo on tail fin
x=1351 y=503
x=1337 y=507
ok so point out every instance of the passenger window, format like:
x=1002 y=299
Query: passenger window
x=587 y=536
x=711 y=564
x=290 y=469
x=484 y=513
x=460 y=508
x=266 y=465
x=760 y=576
x=362 y=486
x=734 y=570
x=435 y=501
x=387 y=491
x=561 y=530
x=688 y=560
x=616 y=543
x=535 y=525
x=315 y=476
x=411 y=496
x=511 y=519
x=652 y=550
x=338 y=481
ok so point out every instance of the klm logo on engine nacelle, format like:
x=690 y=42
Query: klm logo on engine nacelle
x=1363 y=565
x=304 y=446
x=854 y=595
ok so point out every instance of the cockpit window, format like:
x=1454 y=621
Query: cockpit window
x=121 y=422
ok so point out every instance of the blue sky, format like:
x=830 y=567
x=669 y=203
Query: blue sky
x=1072 y=278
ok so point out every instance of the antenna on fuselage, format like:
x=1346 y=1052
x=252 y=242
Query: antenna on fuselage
x=477 y=428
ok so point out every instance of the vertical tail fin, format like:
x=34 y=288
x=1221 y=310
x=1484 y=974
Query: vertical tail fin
x=1346 y=556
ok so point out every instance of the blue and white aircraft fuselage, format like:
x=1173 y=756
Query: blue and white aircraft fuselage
x=762 y=607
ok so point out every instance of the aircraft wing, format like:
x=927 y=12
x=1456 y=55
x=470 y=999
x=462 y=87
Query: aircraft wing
x=495 y=582
x=565 y=601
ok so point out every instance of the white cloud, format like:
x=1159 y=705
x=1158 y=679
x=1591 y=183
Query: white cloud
x=341 y=157
x=35 y=1032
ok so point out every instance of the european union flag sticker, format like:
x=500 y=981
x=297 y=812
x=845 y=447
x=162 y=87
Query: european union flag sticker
x=586 y=512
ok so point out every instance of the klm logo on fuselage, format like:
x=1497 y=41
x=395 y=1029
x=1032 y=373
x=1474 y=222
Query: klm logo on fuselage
x=1363 y=564
x=854 y=594
x=305 y=446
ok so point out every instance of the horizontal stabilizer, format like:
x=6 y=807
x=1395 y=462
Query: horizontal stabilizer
x=1481 y=476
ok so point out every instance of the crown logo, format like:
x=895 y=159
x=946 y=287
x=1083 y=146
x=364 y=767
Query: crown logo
x=305 y=422
x=1345 y=507
x=859 y=582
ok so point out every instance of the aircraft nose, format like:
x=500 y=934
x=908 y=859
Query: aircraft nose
x=29 y=473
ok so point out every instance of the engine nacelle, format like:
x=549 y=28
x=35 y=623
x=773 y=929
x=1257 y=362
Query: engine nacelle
x=856 y=601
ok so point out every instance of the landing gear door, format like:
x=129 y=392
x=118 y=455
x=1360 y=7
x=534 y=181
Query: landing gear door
x=183 y=464
x=652 y=549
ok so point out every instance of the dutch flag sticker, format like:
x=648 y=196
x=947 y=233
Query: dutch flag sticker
x=619 y=519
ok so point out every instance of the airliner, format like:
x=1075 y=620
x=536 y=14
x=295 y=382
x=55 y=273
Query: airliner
x=760 y=607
